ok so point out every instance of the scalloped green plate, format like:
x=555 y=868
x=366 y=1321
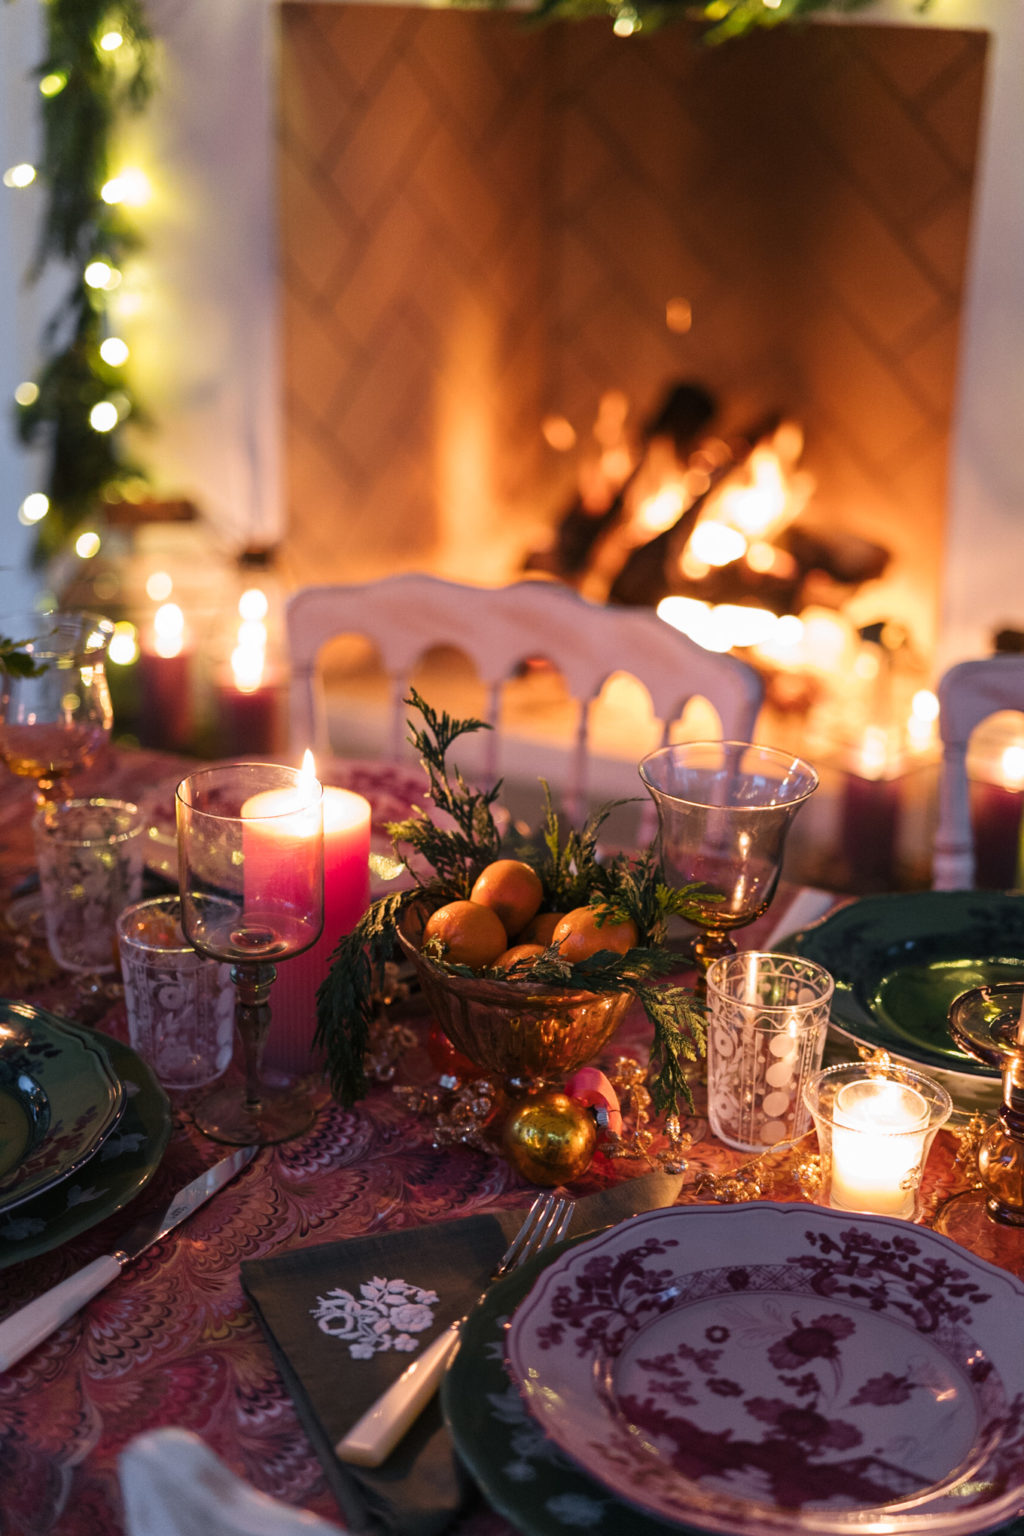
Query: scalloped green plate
x=899 y=961
x=121 y=1166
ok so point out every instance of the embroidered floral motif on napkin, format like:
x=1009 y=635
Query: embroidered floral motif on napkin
x=384 y=1316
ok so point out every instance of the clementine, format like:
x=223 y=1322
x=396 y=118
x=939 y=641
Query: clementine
x=471 y=934
x=582 y=932
x=518 y=952
x=512 y=889
x=540 y=929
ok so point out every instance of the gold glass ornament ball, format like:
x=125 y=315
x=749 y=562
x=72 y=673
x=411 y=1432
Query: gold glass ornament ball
x=550 y=1138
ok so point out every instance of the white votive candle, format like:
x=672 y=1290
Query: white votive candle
x=878 y=1143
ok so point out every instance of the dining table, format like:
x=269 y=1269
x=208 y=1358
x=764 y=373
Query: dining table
x=175 y=1339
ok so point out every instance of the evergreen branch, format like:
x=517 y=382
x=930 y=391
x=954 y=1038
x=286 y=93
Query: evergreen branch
x=344 y=1001
x=17 y=662
x=680 y=1034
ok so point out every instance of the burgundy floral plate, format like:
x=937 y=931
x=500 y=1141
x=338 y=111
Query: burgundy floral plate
x=759 y=1368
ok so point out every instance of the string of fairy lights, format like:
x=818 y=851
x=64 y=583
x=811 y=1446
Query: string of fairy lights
x=94 y=73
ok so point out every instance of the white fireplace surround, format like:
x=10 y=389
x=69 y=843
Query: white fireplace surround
x=206 y=341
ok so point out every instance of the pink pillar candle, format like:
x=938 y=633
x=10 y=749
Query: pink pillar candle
x=281 y=832
x=346 y=895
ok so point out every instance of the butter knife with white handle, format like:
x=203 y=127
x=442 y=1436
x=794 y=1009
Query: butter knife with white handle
x=31 y=1324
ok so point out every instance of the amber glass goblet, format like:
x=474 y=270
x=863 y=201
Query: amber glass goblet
x=251 y=873
x=724 y=809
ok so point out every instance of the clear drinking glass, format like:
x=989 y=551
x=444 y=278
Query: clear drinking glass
x=724 y=809
x=251 y=875
x=179 y=1004
x=90 y=867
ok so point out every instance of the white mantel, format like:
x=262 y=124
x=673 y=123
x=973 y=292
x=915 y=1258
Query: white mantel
x=207 y=350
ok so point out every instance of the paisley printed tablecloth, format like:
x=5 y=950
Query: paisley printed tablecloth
x=174 y=1341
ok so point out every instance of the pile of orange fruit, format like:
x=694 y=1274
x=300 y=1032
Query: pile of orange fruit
x=503 y=922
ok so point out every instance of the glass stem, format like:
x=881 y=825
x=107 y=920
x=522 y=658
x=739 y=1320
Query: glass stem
x=252 y=1016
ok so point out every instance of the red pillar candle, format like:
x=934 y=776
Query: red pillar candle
x=346 y=895
x=166 y=704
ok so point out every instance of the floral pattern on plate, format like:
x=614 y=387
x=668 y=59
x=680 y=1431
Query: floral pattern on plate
x=750 y=1368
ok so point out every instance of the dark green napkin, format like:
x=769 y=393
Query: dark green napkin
x=336 y=1369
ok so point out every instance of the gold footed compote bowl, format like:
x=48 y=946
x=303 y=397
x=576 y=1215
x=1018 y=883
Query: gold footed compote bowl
x=988 y=1023
x=724 y=809
x=251 y=872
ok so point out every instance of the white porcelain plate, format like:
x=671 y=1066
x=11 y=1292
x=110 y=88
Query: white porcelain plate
x=759 y=1368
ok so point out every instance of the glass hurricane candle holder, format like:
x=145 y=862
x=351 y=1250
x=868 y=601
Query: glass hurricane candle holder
x=724 y=809
x=875 y=1128
x=251 y=872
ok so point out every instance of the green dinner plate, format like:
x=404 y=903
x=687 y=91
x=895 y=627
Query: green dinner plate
x=121 y=1166
x=899 y=961
x=59 y=1095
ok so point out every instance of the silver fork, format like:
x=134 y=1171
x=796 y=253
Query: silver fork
x=374 y=1437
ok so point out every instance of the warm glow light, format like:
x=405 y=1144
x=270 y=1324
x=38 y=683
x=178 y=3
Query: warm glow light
x=124 y=643
x=874 y=752
x=247 y=663
x=252 y=635
x=131 y=187
x=745 y=625
x=662 y=510
x=308 y=765
x=114 y=351
x=27 y=393
x=678 y=316
x=684 y=613
x=100 y=274
x=253 y=604
x=21 y=175
x=87 y=545
x=626 y=22
x=559 y=433
x=33 y=509
x=103 y=416
x=53 y=84
x=1011 y=767
x=925 y=705
x=159 y=586
x=111 y=41
x=168 y=630
x=716 y=544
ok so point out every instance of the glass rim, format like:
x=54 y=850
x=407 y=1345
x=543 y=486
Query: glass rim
x=809 y=969
x=33 y=620
x=299 y=780
x=136 y=941
x=773 y=754
x=45 y=818
x=938 y=1098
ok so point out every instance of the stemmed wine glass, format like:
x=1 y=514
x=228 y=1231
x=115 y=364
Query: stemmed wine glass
x=56 y=716
x=251 y=869
x=724 y=809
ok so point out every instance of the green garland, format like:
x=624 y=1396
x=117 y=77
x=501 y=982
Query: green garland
x=723 y=19
x=79 y=119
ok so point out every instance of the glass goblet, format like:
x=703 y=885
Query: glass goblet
x=251 y=872
x=57 y=719
x=724 y=809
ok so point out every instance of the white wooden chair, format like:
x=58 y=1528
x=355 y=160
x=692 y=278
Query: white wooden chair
x=173 y=1485
x=968 y=693
x=498 y=629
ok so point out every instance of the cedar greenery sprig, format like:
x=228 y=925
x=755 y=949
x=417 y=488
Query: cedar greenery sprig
x=17 y=662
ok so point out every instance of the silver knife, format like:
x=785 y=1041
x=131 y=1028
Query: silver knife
x=33 y=1323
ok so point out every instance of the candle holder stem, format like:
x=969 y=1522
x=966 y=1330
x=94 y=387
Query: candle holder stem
x=252 y=1016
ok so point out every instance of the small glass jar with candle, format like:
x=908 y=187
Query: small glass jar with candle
x=875 y=1128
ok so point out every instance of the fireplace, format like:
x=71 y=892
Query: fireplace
x=221 y=416
x=487 y=231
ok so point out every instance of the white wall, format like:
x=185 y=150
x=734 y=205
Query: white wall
x=21 y=308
